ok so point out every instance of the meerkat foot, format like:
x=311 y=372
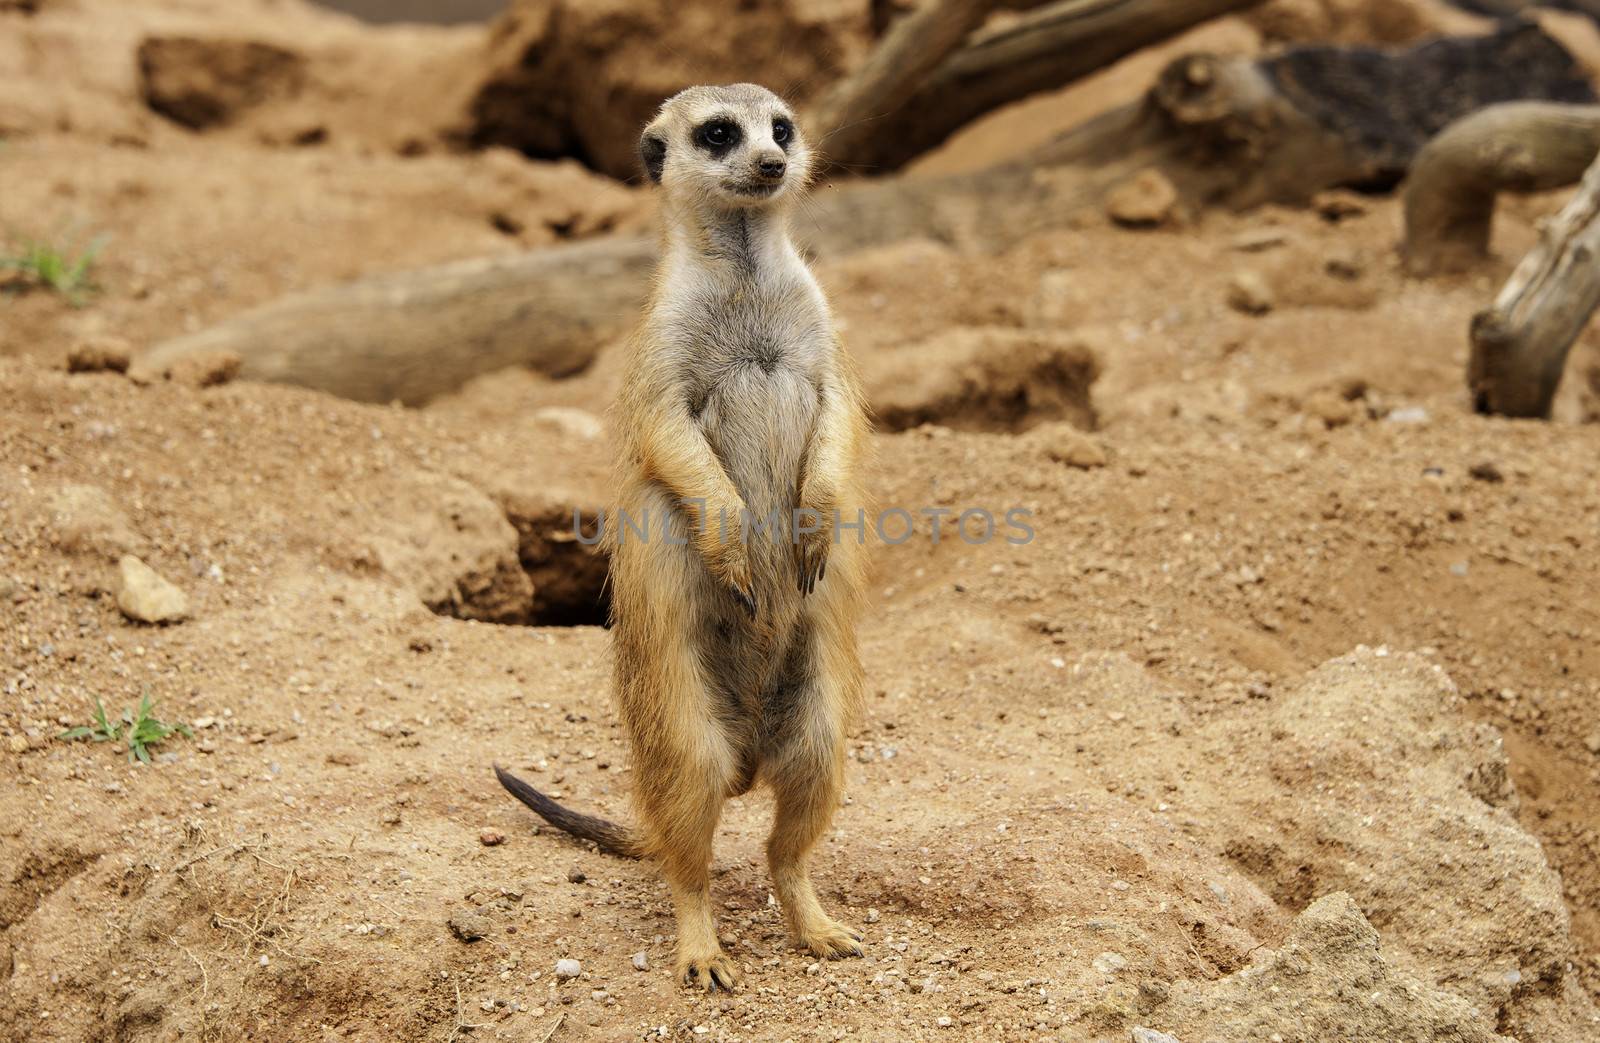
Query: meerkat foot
x=710 y=972
x=830 y=940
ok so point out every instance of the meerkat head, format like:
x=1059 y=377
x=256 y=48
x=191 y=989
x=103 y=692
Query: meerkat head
x=736 y=146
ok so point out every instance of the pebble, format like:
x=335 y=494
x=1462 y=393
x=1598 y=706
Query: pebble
x=491 y=838
x=468 y=925
x=1146 y=200
x=1592 y=743
x=872 y=916
x=1110 y=962
x=568 y=969
x=205 y=369
x=1249 y=293
x=576 y=876
x=100 y=355
x=1408 y=415
x=18 y=743
x=144 y=596
x=1143 y=1035
x=641 y=962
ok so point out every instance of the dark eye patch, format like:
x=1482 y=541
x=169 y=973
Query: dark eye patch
x=717 y=136
x=782 y=132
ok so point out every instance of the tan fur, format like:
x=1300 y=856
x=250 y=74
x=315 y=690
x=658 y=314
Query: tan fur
x=736 y=652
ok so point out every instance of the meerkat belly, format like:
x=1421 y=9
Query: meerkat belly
x=759 y=420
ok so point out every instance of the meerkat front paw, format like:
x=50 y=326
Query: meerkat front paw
x=813 y=538
x=710 y=972
x=831 y=940
x=730 y=563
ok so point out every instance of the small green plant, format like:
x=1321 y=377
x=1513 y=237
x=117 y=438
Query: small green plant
x=41 y=264
x=140 y=730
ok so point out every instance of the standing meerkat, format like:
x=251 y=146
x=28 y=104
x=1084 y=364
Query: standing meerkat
x=734 y=629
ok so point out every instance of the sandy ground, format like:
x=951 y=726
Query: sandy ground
x=1283 y=723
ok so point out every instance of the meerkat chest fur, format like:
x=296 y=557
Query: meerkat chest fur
x=751 y=340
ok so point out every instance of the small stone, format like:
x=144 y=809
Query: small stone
x=641 y=962
x=1408 y=415
x=100 y=355
x=576 y=876
x=1145 y=201
x=1486 y=471
x=205 y=369
x=491 y=838
x=1337 y=204
x=1259 y=239
x=573 y=423
x=568 y=969
x=1330 y=407
x=1249 y=293
x=468 y=925
x=1592 y=743
x=17 y=743
x=146 y=597
x=1066 y=444
x=943 y=1021
x=872 y=916
x=1109 y=962
x=1144 y=1035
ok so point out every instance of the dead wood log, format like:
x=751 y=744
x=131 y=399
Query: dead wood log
x=1044 y=49
x=914 y=46
x=413 y=335
x=1515 y=147
x=1520 y=343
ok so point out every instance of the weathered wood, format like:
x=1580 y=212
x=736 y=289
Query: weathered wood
x=850 y=112
x=413 y=335
x=1520 y=343
x=1515 y=147
x=1044 y=49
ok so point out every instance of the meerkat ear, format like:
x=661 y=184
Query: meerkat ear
x=653 y=152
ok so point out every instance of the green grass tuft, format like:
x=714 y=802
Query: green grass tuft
x=140 y=730
x=43 y=265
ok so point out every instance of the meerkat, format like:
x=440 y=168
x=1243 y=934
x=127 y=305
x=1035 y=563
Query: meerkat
x=735 y=643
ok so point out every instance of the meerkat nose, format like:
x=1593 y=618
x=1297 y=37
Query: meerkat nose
x=772 y=167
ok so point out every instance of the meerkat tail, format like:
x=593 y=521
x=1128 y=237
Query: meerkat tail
x=607 y=836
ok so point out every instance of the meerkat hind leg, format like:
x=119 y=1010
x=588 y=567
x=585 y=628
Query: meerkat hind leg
x=806 y=771
x=807 y=794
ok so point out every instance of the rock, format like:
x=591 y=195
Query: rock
x=1408 y=415
x=1145 y=201
x=204 y=369
x=100 y=355
x=146 y=597
x=568 y=969
x=1110 y=962
x=1332 y=408
x=1141 y=1034
x=17 y=743
x=1329 y=980
x=987 y=379
x=641 y=962
x=468 y=925
x=1258 y=240
x=1592 y=743
x=572 y=423
x=1485 y=471
x=491 y=838
x=83 y=519
x=1066 y=444
x=576 y=876
x=1249 y=293
x=207 y=83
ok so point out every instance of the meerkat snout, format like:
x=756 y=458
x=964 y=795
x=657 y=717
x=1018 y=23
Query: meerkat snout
x=737 y=146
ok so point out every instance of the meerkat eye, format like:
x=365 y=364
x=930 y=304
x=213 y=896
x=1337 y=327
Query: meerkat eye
x=782 y=131
x=718 y=135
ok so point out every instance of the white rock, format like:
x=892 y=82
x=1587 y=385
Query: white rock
x=566 y=969
x=1109 y=962
x=143 y=595
x=1144 y=1035
x=641 y=962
